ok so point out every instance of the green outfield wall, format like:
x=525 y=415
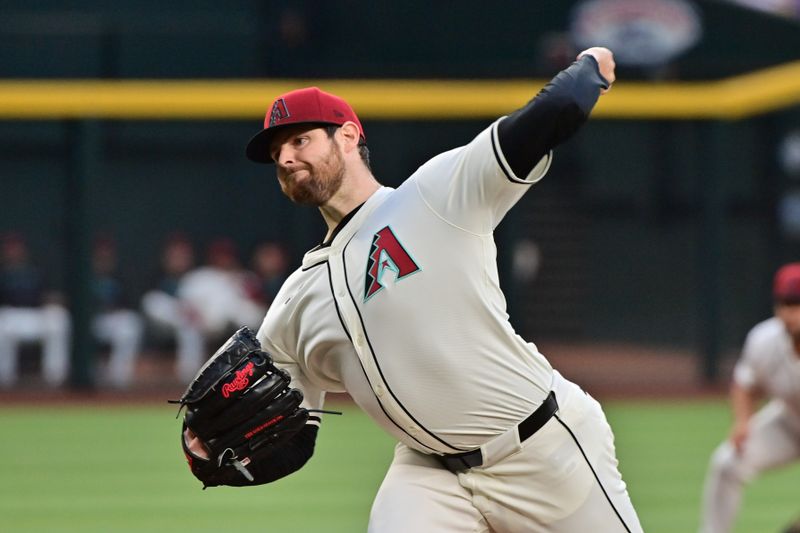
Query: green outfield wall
x=659 y=223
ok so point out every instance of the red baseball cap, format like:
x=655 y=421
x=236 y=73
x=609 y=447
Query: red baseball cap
x=301 y=106
x=786 y=285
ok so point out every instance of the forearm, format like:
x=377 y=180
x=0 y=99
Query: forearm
x=553 y=116
x=743 y=402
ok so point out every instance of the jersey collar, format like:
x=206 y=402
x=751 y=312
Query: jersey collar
x=345 y=230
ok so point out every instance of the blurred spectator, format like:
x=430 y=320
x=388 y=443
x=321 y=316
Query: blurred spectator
x=219 y=294
x=177 y=258
x=293 y=27
x=168 y=315
x=295 y=36
x=29 y=314
x=270 y=265
x=114 y=321
x=526 y=260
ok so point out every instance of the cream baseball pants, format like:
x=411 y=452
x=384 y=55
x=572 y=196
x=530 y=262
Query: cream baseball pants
x=563 y=479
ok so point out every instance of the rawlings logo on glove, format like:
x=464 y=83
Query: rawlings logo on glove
x=240 y=381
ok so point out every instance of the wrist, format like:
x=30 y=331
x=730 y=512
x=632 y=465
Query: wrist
x=194 y=445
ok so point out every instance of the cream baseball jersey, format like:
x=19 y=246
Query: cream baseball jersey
x=769 y=362
x=402 y=309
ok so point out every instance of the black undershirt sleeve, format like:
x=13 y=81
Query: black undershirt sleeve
x=553 y=116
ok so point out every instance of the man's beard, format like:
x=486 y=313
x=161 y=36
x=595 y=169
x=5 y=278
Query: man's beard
x=323 y=182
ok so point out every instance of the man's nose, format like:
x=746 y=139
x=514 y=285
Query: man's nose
x=284 y=156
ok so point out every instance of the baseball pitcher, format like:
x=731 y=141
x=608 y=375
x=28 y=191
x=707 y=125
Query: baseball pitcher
x=400 y=307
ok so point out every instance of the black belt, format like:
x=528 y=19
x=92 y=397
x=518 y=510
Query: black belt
x=463 y=461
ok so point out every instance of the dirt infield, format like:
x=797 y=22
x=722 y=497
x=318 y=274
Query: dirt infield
x=625 y=370
x=605 y=370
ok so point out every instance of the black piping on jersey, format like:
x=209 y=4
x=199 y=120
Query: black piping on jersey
x=378 y=366
x=338 y=312
x=346 y=332
x=574 y=438
x=506 y=171
x=304 y=269
x=339 y=227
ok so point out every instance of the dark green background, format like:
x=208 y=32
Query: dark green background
x=622 y=218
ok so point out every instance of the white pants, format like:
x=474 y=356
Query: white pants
x=122 y=329
x=773 y=441
x=169 y=311
x=564 y=479
x=49 y=325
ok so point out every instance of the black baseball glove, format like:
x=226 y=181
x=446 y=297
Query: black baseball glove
x=241 y=408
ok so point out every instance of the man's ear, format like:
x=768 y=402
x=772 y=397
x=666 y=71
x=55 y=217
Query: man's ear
x=350 y=136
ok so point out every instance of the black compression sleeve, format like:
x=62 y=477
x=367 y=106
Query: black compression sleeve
x=553 y=115
x=287 y=459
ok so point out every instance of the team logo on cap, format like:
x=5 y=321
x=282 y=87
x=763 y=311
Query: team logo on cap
x=279 y=112
x=386 y=255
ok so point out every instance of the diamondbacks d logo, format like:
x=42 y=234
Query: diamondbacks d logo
x=279 y=112
x=386 y=254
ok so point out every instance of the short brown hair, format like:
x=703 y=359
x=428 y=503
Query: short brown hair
x=363 y=150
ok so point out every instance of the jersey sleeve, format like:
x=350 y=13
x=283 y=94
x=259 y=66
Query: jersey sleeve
x=473 y=187
x=746 y=373
x=313 y=396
